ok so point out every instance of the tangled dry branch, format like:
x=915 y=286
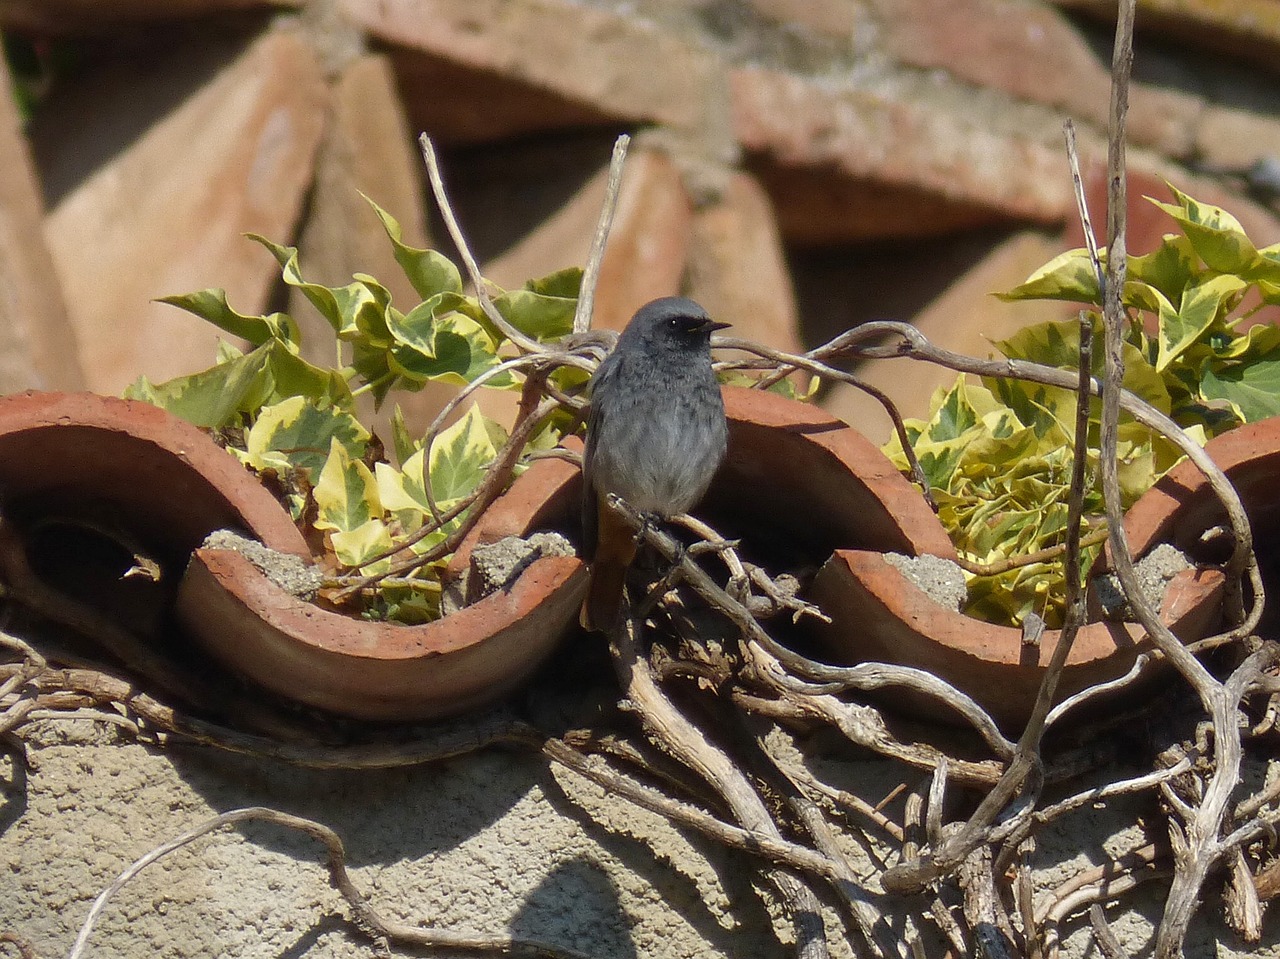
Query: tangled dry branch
x=721 y=704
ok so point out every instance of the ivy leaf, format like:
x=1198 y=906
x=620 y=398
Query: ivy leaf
x=226 y=352
x=211 y=305
x=430 y=272
x=295 y=433
x=347 y=493
x=1203 y=304
x=957 y=411
x=449 y=346
x=1270 y=292
x=352 y=310
x=1068 y=276
x=1251 y=381
x=354 y=548
x=1057 y=344
x=461 y=454
x=537 y=315
x=566 y=283
x=1169 y=268
x=1266 y=272
x=404 y=444
x=373 y=365
x=370 y=315
x=291 y=375
x=215 y=397
x=1216 y=235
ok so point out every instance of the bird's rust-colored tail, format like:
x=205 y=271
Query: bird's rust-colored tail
x=615 y=549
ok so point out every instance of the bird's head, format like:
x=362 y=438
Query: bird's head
x=673 y=322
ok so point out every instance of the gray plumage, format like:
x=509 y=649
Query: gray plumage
x=656 y=432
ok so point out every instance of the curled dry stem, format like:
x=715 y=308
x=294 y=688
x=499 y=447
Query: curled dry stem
x=365 y=917
x=675 y=734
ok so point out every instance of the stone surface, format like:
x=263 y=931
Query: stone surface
x=836 y=18
x=1240 y=28
x=152 y=194
x=737 y=269
x=941 y=579
x=823 y=206
x=619 y=66
x=1032 y=53
x=487 y=844
x=37 y=346
x=899 y=141
x=60 y=16
x=461 y=104
x=367 y=148
x=1233 y=137
x=291 y=573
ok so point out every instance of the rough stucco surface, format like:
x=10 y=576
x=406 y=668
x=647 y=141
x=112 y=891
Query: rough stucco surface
x=487 y=843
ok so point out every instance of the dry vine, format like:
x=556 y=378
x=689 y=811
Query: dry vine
x=720 y=701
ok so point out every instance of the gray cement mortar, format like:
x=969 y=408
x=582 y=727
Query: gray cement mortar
x=491 y=842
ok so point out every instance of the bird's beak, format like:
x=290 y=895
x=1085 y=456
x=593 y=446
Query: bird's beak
x=711 y=326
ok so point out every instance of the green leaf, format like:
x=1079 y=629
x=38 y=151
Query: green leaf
x=448 y=346
x=1058 y=344
x=226 y=352
x=211 y=305
x=1216 y=235
x=429 y=272
x=293 y=376
x=1169 y=268
x=372 y=364
x=461 y=454
x=402 y=490
x=403 y=443
x=347 y=493
x=215 y=397
x=351 y=310
x=1203 y=305
x=565 y=283
x=534 y=314
x=354 y=548
x=295 y=433
x=1069 y=276
x=1250 y=381
x=1270 y=292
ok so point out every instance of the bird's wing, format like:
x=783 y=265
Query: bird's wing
x=596 y=421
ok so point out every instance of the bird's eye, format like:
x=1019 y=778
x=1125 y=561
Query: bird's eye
x=674 y=323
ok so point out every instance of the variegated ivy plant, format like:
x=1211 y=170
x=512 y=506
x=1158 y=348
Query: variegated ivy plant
x=296 y=421
x=998 y=454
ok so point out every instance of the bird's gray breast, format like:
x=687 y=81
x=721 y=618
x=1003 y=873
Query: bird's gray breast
x=660 y=440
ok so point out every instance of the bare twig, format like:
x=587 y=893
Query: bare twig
x=1046 y=555
x=1103 y=936
x=687 y=743
x=585 y=309
x=365 y=916
x=774 y=850
x=25 y=949
x=468 y=259
x=1025 y=768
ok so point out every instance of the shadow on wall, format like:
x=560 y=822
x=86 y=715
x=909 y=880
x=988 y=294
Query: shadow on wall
x=577 y=904
x=384 y=816
x=748 y=934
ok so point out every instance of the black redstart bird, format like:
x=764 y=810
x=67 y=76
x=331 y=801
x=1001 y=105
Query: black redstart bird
x=656 y=434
